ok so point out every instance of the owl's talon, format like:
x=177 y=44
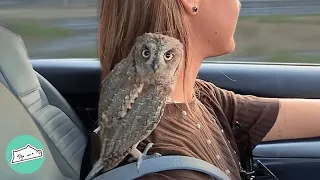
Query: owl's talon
x=148 y=147
x=144 y=155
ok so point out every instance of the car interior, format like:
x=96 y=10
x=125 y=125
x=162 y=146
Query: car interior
x=56 y=101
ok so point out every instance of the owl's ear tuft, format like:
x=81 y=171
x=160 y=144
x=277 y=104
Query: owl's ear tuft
x=139 y=39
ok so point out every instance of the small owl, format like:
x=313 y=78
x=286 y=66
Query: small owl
x=133 y=96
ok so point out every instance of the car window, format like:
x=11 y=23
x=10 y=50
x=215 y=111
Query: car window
x=53 y=28
x=268 y=30
x=277 y=31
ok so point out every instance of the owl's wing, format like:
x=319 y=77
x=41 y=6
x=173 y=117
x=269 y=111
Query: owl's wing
x=111 y=85
x=119 y=134
x=114 y=81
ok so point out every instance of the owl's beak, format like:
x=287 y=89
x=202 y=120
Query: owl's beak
x=154 y=66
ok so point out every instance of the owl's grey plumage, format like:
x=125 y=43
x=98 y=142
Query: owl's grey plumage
x=133 y=96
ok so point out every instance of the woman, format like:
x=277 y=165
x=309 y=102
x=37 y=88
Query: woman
x=206 y=28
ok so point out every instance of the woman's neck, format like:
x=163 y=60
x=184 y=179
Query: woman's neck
x=187 y=76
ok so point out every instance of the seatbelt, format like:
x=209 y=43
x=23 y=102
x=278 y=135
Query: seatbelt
x=163 y=163
x=247 y=166
x=87 y=159
x=250 y=171
x=85 y=165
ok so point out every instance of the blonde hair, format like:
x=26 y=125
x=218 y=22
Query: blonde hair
x=122 y=21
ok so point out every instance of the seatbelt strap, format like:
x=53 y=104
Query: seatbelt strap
x=163 y=163
x=247 y=166
x=85 y=165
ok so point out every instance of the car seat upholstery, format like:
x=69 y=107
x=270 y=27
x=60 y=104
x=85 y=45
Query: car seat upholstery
x=63 y=131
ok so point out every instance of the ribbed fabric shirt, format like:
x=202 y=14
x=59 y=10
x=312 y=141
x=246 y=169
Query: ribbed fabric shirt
x=208 y=134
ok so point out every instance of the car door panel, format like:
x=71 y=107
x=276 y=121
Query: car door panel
x=83 y=77
x=289 y=149
x=78 y=81
x=293 y=159
x=265 y=80
x=293 y=168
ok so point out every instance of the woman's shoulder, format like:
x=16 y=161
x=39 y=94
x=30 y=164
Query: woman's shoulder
x=205 y=87
x=212 y=89
x=205 y=84
x=202 y=82
x=205 y=91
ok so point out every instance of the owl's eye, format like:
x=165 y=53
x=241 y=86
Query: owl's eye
x=145 y=53
x=168 y=56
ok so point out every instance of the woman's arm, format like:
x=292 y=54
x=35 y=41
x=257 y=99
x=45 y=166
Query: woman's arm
x=268 y=119
x=297 y=118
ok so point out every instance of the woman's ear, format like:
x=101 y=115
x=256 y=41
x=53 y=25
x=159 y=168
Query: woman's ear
x=191 y=6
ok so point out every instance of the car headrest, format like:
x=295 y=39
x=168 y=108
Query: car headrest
x=16 y=71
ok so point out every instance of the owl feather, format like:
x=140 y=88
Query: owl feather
x=133 y=97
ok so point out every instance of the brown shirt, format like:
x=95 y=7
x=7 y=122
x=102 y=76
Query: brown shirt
x=208 y=133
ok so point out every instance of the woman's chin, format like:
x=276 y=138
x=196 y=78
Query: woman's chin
x=222 y=49
x=227 y=48
x=231 y=46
